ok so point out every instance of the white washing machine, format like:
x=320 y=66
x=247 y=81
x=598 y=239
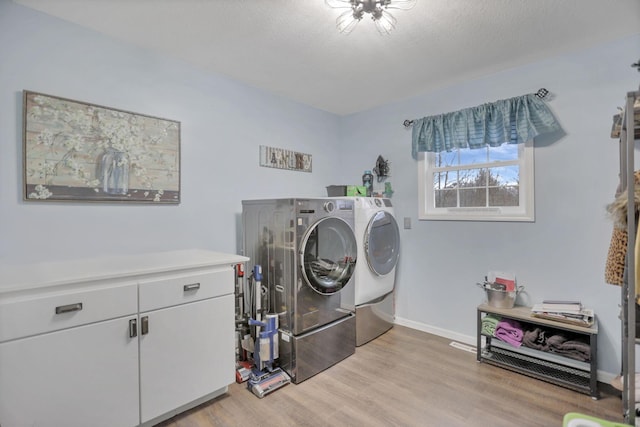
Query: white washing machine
x=378 y=238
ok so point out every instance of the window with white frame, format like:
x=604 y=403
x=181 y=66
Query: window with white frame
x=482 y=184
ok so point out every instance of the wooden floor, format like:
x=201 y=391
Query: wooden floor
x=405 y=378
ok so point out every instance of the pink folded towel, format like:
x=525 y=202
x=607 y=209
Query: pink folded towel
x=509 y=331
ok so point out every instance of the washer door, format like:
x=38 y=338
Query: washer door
x=382 y=243
x=328 y=255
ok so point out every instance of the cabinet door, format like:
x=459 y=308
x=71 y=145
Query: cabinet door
x=187 y=353
x=83 y=376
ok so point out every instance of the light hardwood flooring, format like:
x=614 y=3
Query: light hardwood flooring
x=405 y=378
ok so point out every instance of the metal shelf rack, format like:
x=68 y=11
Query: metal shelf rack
x=550 y=367
x=628 y=294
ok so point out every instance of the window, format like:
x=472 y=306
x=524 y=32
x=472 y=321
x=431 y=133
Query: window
x=483 y=184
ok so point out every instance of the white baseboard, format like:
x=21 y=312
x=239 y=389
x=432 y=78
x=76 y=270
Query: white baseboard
x=604 y=377
x=466 y=339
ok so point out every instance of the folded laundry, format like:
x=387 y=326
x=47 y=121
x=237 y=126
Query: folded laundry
x=509 y=331
x=535 y=338
x=489 y=323
x=570 y=347
x=556 y=340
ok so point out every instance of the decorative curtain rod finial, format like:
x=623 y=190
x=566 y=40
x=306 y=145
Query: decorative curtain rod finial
x=407 y=123
x=542 y=93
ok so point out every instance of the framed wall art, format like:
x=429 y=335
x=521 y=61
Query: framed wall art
x=76 y=151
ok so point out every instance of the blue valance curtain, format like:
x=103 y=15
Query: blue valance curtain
x=513 y=120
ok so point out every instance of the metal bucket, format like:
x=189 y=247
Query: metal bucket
x=499 y=298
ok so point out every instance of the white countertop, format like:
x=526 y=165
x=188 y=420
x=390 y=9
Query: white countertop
x=18 y=277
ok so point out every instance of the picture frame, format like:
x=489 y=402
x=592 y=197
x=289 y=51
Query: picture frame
x=83 y=152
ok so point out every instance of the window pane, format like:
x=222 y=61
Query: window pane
x=503 y=152
x=505 y=175
x=445 y=159
x=442 y=180
x=508 y=195
x=446 y=198
x=469 y=157
x=473 y=177
x=473 y=197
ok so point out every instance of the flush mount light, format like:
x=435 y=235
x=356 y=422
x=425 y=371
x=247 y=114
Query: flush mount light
x=385 y=22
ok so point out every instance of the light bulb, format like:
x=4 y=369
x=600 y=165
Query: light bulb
x=347 y=22
x=385 y=22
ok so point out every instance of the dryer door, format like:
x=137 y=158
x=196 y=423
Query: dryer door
x=382 y=243
x=328 y=254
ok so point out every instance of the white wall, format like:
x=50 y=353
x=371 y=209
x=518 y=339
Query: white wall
x=561 y=255
x=223 y=124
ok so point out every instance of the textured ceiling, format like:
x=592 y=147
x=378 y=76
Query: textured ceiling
x=291 y=47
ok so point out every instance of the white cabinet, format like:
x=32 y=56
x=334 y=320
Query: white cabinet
x=117 y=343
x=75 y=377
x=64 y=353
x=186 y=350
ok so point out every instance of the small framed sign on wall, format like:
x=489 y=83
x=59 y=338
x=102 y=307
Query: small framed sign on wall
x=279 y=158
x=76 y=151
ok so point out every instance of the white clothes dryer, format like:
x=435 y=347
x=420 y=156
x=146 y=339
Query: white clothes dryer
x=378 y=238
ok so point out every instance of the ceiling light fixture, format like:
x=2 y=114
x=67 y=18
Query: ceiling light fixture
x=385 y=22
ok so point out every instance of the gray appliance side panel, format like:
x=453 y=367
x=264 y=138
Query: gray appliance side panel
x=305 y=355
x=374 y=318
x=267 y=242
x=282 y=262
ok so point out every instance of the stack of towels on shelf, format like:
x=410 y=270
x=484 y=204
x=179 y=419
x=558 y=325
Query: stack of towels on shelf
x=489 y=323
x=510 y=331
x=507 y=330
x=522 y=334
x=560 y=342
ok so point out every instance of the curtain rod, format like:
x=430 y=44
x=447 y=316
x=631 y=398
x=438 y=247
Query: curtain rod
x=542 y=93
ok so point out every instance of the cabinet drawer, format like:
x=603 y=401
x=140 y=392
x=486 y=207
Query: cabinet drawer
x=179 y=289
x=57 y=310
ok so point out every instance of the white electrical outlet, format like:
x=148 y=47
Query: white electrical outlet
x=407 y=223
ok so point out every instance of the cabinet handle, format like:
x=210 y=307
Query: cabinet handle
x=133 y=328
x=144 y=328
x=191 y=287
x=69 y=308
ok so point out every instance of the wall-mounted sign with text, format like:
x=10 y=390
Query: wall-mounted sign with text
x=271 y=157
